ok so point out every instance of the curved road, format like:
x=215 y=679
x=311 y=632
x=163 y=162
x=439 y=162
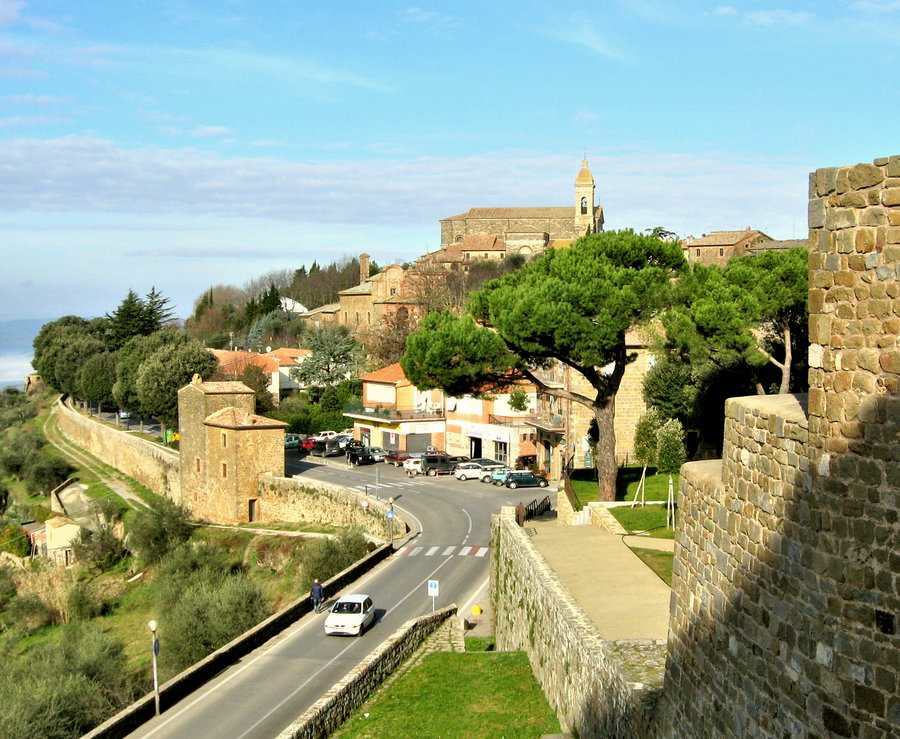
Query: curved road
x=272 y=686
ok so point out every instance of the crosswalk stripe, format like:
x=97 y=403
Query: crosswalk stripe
x=481 y=551
x=415 y=551
x=448 y=551
x=464 y=551
x=430 y=552
x=401 y=551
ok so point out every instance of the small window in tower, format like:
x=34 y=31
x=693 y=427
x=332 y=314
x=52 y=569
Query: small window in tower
x=459 y=239
x=224 y=470
x=393 y=291
x=721 y=252
x=357 y=319
x=224 y=440
x=198 y=463
x=698 y=252
x=584 y=209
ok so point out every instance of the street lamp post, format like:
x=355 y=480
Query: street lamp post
x=155 y=651
x=391 y=518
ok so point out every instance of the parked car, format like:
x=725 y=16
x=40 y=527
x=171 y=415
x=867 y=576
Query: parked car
x=378 y=454
x=358 y=454
x=437 y=464
x=496 y=476
x=343 y=440
x=413 y=465
x=459 y=458
x=396 y=457
x=327 y=448
x=124 y=415
x=487 y=463
x=351 y=615
x=322 y=435
x=308 y=444
x=525 y=479
x=468 y=471
x=292 y=441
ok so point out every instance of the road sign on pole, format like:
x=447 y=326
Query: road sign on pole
x=433 y=590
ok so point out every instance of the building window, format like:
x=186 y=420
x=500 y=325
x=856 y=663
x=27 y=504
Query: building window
x=357 y=319
x=197 y=460
x=501 y=451
x=369 y=318
x=224 y=471
x=721 y=252
x=584 y=206
x=393 y=291
x=459 y=239
x=224 y=440
x=698 y=252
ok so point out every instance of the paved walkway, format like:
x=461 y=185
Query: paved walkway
x=650 y=542
x=618 y=592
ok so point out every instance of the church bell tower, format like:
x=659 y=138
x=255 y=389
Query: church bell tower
x=584 y=200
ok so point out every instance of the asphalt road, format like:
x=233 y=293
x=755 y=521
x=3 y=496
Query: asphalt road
x=275 y=684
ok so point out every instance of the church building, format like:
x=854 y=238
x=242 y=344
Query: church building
x=525 y=231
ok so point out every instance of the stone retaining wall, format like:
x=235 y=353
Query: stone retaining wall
x=317 y=502
x=596 y=687
x=152 y=465
x=332 y=709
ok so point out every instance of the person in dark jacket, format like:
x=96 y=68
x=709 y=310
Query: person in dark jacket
x=316 y=595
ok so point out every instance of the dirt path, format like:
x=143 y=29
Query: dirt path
x=81 y=458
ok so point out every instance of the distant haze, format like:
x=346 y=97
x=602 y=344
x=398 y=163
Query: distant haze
x=16 y=349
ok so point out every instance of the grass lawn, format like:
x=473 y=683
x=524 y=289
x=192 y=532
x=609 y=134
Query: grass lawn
x=479 y=643
x=458 y=695
x=659 y=562
x=584 y=484
x=650 y=518
x=287 y=526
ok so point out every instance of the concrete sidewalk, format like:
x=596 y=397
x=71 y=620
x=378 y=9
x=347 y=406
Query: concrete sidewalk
x=649 y=542
x=623 y=597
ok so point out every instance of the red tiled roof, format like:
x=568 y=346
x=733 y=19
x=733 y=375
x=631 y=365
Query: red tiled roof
x=723 y=238
x=393 y=374
x=235 y=362
x=287 y=356
x=482 y=242
x=235 y=418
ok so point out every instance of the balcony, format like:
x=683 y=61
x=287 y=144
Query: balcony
x=509 y=420
x=394 y=414
x=552 y=422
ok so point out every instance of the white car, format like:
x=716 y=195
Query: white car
x=468 y=471
x=414 y=465
x=351 y=615
x=325 y=435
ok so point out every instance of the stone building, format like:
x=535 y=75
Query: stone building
x=717 y=247
x=525 y=231
x=224 y=449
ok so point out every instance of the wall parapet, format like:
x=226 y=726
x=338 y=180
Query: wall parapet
x=597 y=687
x=152 y=465
x=327 y=714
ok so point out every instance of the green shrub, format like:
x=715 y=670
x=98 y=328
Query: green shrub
x=15 y=408
x=17 y=447
x=99 y=549
x=155 y=533
x=208 y=614
x=27 y=613
x=45 y=472
x=7 y=587
x=82 y=604
x=324 y=558
x=4 y=497
x=190 y=564
x=14 y=540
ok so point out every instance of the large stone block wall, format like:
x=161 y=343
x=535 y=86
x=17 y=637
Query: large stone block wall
x=786 y=583
x=150 y=464
x=596 y=687
x=327 y=714
x=316 y=502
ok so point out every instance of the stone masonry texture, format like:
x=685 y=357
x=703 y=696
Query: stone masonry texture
x=597 y=687
x=785 y=592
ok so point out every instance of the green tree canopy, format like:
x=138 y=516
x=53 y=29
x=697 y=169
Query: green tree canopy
x=70 y=358
x=670 y=451
x=165 y=372
x=258 y=381
x=97 y=377
x=335 y=356
x=645 y=438
x=136 y=351
x=572 y=306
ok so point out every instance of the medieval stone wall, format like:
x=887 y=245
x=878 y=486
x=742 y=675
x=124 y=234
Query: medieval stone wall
x=785 y=586
x=150 y=464
x=316 y=502
x=597 y=687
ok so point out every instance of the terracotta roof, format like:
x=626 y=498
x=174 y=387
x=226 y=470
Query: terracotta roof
x=330 y=308
x=287 y=356
x=393 y=374
x=235 y=418
x=564 y=211
x=235 y=362
x=398 y=300
x=363 y=289
x=481 y=242
x=229 y=387
x=776 y=245
x=724 y=238
x=584 y=174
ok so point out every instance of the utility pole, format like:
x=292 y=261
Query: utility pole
x=155 y=651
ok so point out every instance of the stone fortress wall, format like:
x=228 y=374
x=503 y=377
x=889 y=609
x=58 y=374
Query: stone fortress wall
x=152 y=465
x=596 y=687
x=783 y=618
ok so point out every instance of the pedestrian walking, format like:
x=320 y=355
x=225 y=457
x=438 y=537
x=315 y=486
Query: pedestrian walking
x=316 y=595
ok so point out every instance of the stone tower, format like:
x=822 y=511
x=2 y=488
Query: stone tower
x=584 y=199
x=197 y=401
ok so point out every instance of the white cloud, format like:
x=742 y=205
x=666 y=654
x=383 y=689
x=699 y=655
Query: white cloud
x=22 y=121
x=688 y=193
x=580 y=31
x=10 y=11
x=31 y=99
x=725 y=10
x=427 y=17
x=210 y=132
x=778 y=17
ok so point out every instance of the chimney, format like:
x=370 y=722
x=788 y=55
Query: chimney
x=363 y=268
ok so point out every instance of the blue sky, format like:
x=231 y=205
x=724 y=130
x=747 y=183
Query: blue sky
x=187 y=143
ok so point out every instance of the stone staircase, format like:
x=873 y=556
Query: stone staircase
x=581 y=518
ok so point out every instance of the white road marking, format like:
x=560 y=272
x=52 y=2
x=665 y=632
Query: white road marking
x=430 y=552
x=464 y=551
x=469 y=531
x=481 y=551
x=416 y=551
x=341 y=653
x=399 y=552
x=448 y=551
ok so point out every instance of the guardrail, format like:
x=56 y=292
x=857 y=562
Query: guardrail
x=537 y=507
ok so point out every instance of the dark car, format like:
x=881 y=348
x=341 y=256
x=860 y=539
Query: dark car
x=525 y=480
x=327 y=448
x=396 y=457
x=459 y=458
x=437 y=464
x=358 y=454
